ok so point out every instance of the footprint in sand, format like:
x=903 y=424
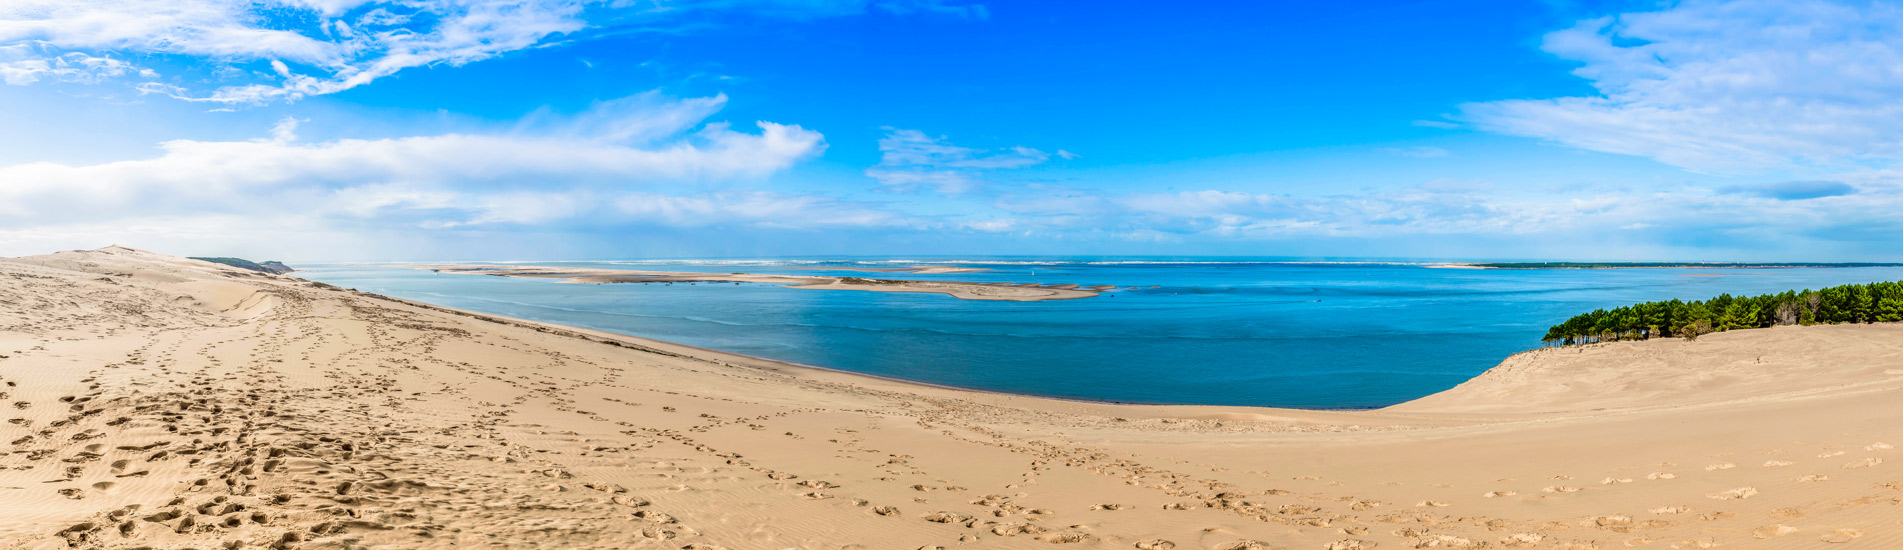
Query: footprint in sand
x=1777 y=463
x=1615 y=481
x=1498 y=494
x=1831 y=454
x=1431 y=504
x=1740 y=493
x=1661 y=475
x=1879 y=446
x=1865 y=463
x=1841 y=536
x=1775 y=530
x=1670 y=510
x=1562 y=489
x=1813 y=477
x=1716 y=467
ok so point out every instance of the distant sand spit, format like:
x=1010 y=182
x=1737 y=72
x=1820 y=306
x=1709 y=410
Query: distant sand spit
x=1020 y=292
x=158 y=402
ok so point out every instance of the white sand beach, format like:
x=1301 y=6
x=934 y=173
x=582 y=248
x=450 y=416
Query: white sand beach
x=157 y=402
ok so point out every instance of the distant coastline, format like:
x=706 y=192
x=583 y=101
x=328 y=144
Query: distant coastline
x=1014 y=292
x=1659 y=265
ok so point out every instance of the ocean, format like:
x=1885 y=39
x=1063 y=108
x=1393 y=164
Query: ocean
x=1203 y=331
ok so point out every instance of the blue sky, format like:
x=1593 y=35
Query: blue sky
x=536 y=129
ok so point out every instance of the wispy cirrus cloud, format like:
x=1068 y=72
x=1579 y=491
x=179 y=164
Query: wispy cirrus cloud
x=22 y=64
x=310 y=47
x=1727 y=87
x=284 y=50
x=910 y=159
x=1792 y=190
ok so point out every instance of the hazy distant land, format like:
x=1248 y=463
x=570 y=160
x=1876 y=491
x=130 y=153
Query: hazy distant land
x=1664 y=265
x=273 y=266
x=1019 y=292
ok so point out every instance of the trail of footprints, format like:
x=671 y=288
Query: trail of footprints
x=278 y=460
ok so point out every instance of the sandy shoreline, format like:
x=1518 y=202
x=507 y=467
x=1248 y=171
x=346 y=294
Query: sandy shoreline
x=166 y=403
x=1016 y=292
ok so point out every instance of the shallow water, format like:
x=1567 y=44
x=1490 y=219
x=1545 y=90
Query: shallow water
x=1214 y=332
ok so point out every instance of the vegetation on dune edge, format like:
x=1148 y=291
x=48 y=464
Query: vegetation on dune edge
x=1864 y=303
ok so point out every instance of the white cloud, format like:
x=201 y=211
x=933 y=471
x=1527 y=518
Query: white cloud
x=316 y=47
x=1727 y=87
x=280 y=31
x=640 y=118
x=23 y=64
x=1692 y=218
x=756 y=208
x=445 y=180
x=910 y=159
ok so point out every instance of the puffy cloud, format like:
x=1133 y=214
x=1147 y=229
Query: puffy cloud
x=1727 y=87
x=909 y=159
x=557 y=168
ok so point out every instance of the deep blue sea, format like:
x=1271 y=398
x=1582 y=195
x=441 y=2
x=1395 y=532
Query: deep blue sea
x=1213 y=331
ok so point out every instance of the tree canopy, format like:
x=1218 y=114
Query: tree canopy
x=1858 y=303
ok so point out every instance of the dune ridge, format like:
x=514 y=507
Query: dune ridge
x=159 y=402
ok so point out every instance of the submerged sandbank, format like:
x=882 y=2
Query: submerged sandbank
x=1020 y=292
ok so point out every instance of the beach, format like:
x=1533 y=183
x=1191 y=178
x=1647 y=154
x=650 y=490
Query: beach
x=155 y=401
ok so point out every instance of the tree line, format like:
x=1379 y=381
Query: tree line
x=1865 y=303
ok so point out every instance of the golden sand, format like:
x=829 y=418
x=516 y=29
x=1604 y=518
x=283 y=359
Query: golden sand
x=158 y=402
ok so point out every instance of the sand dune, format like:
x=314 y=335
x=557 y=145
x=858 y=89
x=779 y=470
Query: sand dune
x=158 y=402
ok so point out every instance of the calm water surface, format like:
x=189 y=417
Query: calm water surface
x=1213 y=332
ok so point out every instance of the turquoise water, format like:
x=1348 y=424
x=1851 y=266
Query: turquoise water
x=1213 y=332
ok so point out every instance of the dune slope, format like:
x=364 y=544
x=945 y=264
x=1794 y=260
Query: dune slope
x=159 y=402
